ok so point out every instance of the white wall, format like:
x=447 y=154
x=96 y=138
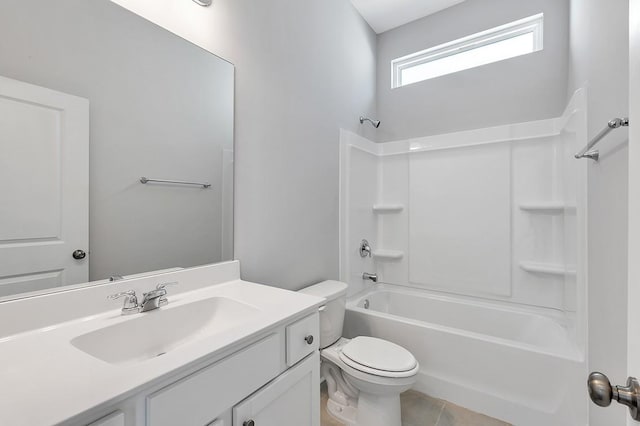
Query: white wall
x=599 y=60
x=527 y=88
x=304 y=69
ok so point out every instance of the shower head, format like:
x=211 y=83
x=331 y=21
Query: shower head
x=375 y=123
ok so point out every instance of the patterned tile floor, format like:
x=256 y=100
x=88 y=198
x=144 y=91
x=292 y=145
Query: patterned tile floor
x=422 y=410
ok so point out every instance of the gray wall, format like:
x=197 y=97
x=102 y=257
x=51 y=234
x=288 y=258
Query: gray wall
x=526 y=88
x=304 y=69
x=160 y=107
x=596 y=26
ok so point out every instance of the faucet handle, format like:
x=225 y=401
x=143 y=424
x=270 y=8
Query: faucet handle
x=130 y=301
x=163 y=286
x=129 y=294
x=365 y=249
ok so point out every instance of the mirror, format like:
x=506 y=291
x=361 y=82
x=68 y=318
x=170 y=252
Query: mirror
x=92 y=99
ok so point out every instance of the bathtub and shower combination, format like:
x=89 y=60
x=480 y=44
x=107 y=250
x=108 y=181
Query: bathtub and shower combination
x=513 y=364
x=478 y=241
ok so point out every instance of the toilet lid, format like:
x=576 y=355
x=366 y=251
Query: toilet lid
x=378 y=354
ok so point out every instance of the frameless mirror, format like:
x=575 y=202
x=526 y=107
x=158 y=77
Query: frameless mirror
x=93 y=100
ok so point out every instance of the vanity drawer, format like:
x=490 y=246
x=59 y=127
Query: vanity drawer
x=114 y=419
x=302 y=338
x=198 y=399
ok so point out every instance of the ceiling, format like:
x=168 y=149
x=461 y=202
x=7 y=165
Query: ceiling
x=384 y=15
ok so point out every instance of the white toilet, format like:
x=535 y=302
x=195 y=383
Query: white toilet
x=364 y=375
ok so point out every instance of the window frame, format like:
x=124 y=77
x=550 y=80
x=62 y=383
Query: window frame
x=533 y=24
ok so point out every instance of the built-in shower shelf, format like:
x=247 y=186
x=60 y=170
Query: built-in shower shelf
x=387 y=208
x=388 y=254
x=546 y=268
x=547 y=208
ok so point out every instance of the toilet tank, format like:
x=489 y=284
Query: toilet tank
x=332 y=313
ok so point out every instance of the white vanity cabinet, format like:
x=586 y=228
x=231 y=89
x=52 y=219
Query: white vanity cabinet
x=293 y=399
x=199 y=398
x=271 y=381
x=114 y=419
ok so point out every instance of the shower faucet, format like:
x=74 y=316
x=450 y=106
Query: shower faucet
x=365 y=249
x=368 y=276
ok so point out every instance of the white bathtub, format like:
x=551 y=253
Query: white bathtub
x=516 y=364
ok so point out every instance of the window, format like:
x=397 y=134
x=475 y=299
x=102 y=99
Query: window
x=504 y=42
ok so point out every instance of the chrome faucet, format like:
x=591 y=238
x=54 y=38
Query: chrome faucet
x=151 y=300
x=365 y=249
x=368 y=276
x=130 y=302
x=155 y=298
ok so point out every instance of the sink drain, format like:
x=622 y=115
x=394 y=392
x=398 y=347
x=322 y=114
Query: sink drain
x=366 y=303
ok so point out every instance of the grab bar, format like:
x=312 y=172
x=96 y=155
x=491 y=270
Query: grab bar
x=145 y=180
x=594 y=154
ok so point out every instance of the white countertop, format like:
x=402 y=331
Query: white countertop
x=46 y=380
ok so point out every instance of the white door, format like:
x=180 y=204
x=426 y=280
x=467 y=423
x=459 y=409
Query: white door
x=44 y=188
x=606 y=392
x=633 y=305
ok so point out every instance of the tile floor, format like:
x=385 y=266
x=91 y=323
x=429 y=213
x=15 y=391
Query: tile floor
x=422 y=410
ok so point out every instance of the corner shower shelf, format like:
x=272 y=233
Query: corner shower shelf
x=387 y=208
x=388 y=254
x=546 y=268
x=547 y=208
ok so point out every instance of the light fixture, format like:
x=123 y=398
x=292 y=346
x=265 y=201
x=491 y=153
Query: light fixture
x=204 y=3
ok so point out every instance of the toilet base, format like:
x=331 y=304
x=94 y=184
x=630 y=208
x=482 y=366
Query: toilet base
x=345 y=414
x=372 y=410
x=378 y=410
x=361 y=399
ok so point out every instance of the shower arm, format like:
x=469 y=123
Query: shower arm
x=374 y=123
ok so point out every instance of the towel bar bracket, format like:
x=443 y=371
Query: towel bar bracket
x=594 y=154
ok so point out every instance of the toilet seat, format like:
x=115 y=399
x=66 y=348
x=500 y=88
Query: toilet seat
x=375 y=400
x=379 y=358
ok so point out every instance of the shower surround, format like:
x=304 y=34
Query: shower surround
x=479 y=242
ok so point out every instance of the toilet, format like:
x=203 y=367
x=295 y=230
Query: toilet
x=364 y=375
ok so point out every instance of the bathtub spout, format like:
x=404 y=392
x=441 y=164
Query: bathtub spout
x=368 y=276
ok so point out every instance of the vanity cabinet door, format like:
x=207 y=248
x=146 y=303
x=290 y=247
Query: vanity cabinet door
x=302 y=338
x=222 y=420
x=292 y=399
x=200 y=398
x=114 y=419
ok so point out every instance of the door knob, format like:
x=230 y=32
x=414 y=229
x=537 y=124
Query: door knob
x=79 y=254
x=249 y=423
x=602 y=393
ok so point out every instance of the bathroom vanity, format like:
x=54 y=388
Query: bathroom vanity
x=222 y=352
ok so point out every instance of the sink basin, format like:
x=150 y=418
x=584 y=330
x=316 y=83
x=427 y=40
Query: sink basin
x=152 y=334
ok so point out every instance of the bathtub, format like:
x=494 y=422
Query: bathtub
x=520 y=365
